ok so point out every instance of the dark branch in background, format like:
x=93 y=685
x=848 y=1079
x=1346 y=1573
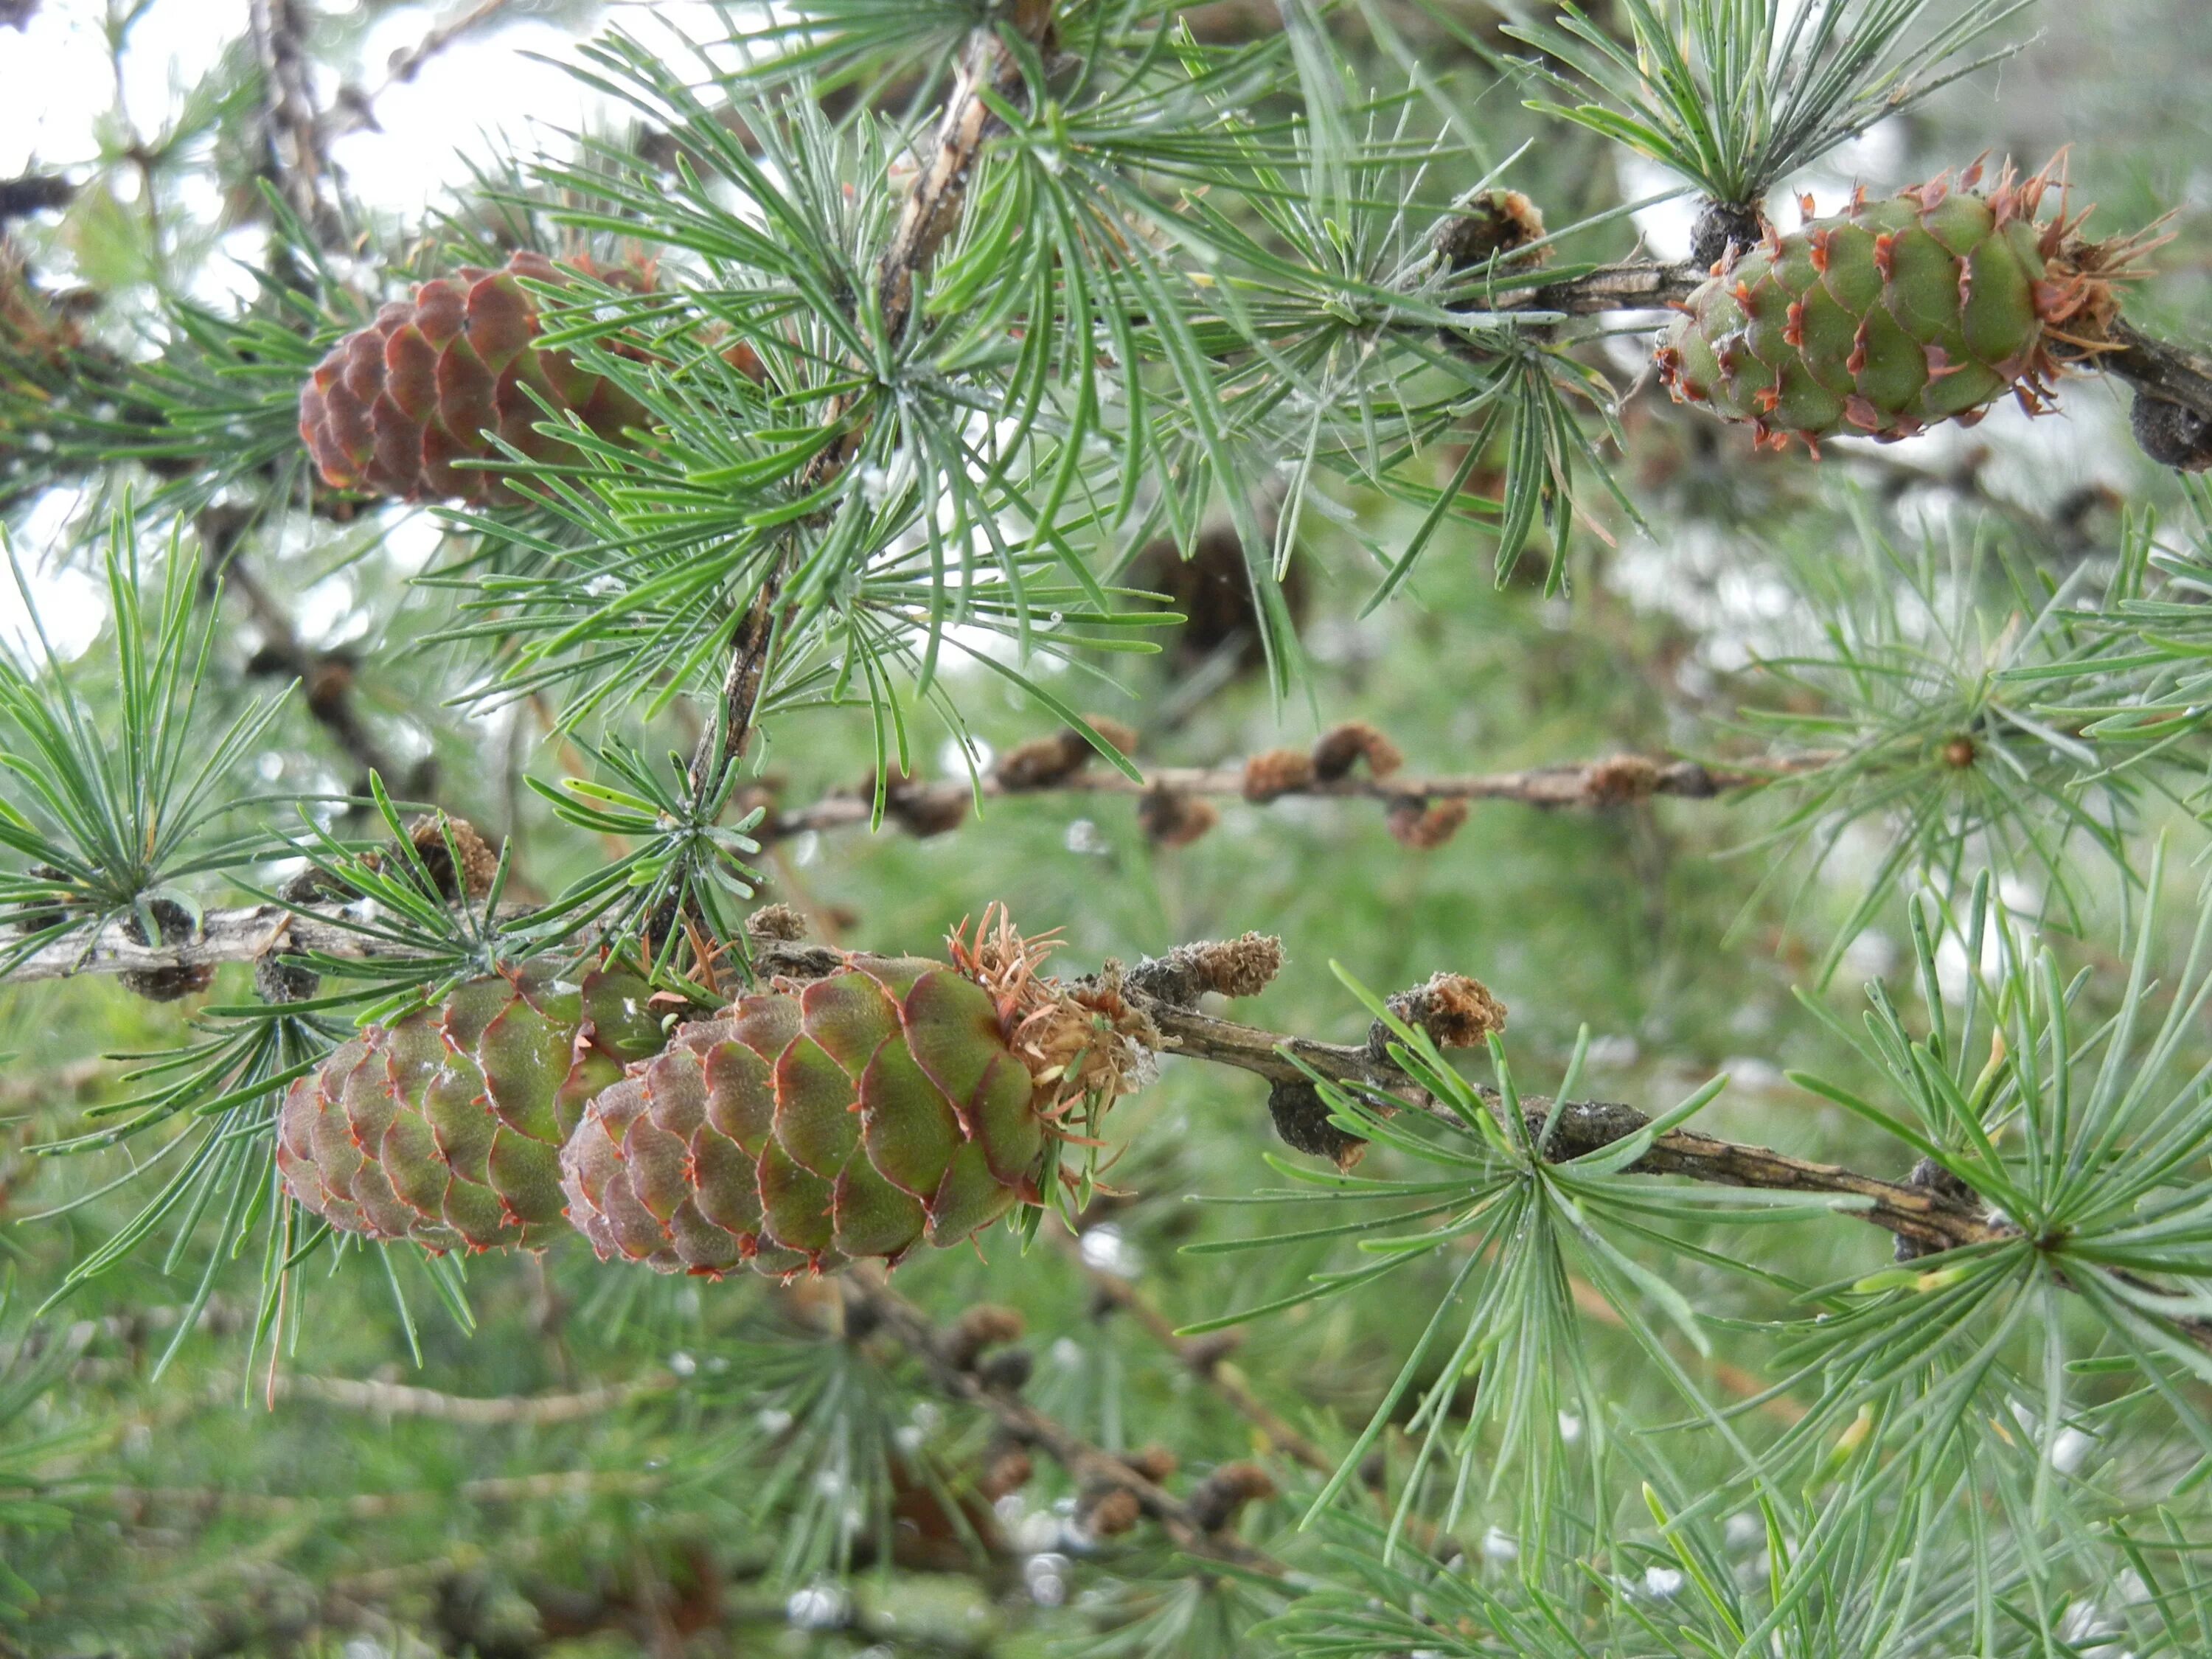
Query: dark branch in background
x=406 y=65
x=988 y=66
x=299 y=159
x=879 y=1307
x=34 y=192
x=325 y=677
x=1206 y=1358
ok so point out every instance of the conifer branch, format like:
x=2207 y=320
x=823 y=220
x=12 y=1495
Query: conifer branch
x=1206 y=1358
x=989 y=68
x=299 y=157
x=326 y=678
x=406 y=65
x=530 y=1411
x=1085 y=1464
x=1616 y=781
x=1925 y=1216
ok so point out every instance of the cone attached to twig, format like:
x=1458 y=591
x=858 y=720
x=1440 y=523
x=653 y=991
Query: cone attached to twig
x=1896 y=315
x=446 y=1127
x=397 y=406
x=898 y=1102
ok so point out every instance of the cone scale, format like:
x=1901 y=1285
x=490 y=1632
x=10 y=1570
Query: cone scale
x=860 y=1115
x=446 y=1127
x=1892 y=316
x=395 y=407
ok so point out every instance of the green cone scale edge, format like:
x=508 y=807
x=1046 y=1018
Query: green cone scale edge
x=1896 y=315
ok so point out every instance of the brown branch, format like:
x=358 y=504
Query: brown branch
x=546 y=1488
x=927 y=809
x=990 y=66
x=1926 y=1218
x=1084 y=1462
x=299 y=159
x=2170 y=374
x=34 y=192
x=1921 y=1214
x=406 y=65
x=1206 y=1358
x=325 y=677
x=530 y=1411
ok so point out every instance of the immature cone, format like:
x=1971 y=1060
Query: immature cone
x=899 y=1101
x=395 y=405
x=446 y=1127
x=1895 y=315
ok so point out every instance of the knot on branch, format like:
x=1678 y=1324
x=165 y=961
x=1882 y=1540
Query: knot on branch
x=1170 y=817
x=1721 y=226
x=1486 y=226
x=37 y=192
x=923 y=810
x=1455 y=1011
x=1106 y=1507
x=1040 y=763
x=1273 y=773
x=1623 y=778
x=1424 y=825
x=777 y=922
x=1339 y=749
x=1931 y=1176
x=1241 y=967
x=460 y=862
x=1005 y=1466
x=1301 y=1120
x=173 y=924
x=1216 y=1502
x=980 y=1329
x=278 y=978
x=2172 y=434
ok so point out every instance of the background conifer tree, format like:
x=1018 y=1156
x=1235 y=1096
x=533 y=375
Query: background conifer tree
x=1062 y=828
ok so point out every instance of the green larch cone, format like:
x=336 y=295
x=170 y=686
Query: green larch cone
x=445 y=1127
x=1896 y=315
x=900 y=1101
x=396 y=404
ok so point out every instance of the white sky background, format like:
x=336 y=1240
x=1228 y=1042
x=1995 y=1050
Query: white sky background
x=56 y=83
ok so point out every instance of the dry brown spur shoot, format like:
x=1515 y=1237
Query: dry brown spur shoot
x=1042 y=761
x=1170 y=817
x=1241 y=967
x=1455 y=1011
x=1423 y=824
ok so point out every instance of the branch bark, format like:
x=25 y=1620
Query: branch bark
x=989 y=65
x=1574 y=786
x=1927 y=1217
x=299 y=160
x=1083 y=1462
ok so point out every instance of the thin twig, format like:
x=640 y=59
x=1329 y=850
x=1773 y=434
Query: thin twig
x=1083 y=1462
x=530 y=1411
x=990 y=68
x=327 y=679
x=1925 y=1216
x=1580 y=786
x=407 y=65
x=299 y=158
x=1205 y=1358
